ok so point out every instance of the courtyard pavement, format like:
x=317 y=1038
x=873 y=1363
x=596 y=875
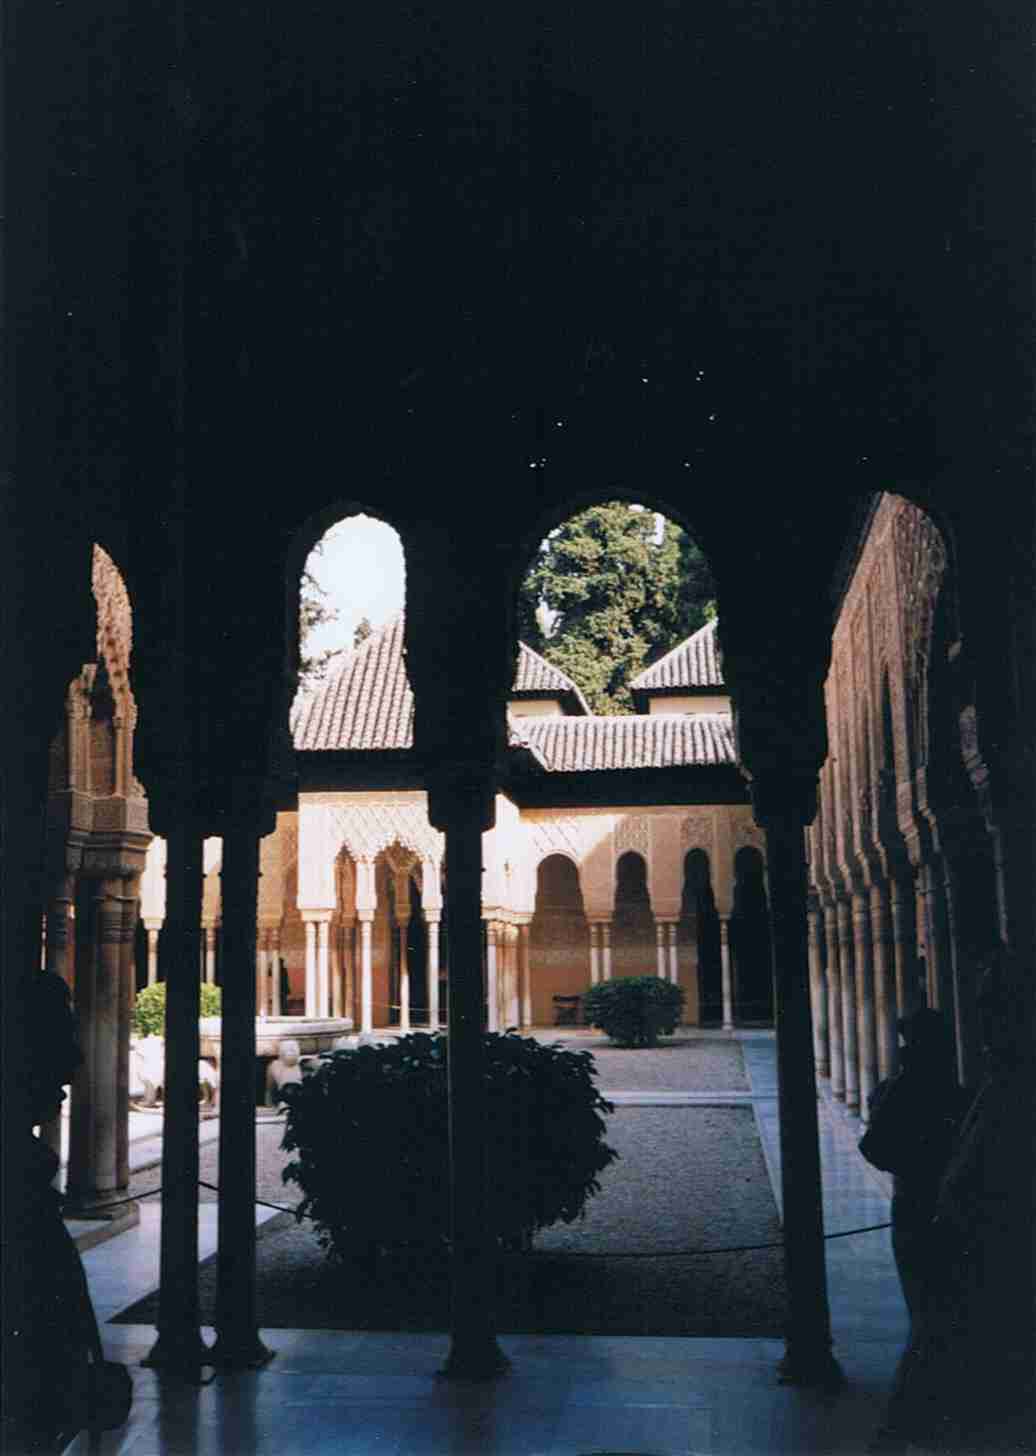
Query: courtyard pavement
x=566 y=1395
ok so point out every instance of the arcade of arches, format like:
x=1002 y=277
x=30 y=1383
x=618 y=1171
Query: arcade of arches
x=613 y=846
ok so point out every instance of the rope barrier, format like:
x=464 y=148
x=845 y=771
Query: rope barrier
x=574 y=1253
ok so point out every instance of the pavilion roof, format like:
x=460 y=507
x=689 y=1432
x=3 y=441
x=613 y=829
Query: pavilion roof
x=658 y=740
x=365 y=700
x=693 y=663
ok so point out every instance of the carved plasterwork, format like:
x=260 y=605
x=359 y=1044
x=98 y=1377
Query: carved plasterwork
x=921 y=564
x=114 y=629
x=571 y=835
x=632 y=832
x=367 y=829
x=747 y=834
x=697 y=830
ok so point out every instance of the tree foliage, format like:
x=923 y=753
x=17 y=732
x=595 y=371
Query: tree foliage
x=611 y=590
x=313 y=613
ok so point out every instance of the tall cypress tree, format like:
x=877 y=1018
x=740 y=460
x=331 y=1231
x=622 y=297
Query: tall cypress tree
x=611 y=590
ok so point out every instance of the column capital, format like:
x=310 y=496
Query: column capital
x=460 y=791
x=317 y=917
x=783 y=798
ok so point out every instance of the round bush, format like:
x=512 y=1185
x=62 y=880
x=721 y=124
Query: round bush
x=634 y=1010
x=149 y=1008
x=371 y=1133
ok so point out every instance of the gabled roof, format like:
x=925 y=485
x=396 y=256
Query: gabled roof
x=365 y=701
x=658 y=740
x=692 y=664
x=535 y=677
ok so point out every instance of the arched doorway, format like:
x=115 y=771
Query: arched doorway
x=700 y=923
x=750 y=940
x=633 y=928
x=558 y=938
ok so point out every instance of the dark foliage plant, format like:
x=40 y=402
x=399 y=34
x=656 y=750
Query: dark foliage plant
x=634 y=1010
x=370 y=1133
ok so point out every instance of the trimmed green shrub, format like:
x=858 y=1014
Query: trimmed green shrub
x=634 y=1010
x=149 y=1009
x=371 y=1133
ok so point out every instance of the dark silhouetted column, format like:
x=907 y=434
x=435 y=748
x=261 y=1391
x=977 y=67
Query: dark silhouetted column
x=783 y=809
x=818 y=994
x=179 y=1345
x=238 y=1345
x=834 y=1002
x=458 y=807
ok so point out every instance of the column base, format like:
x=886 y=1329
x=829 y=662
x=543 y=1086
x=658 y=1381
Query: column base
x=480 y=1358
x=808 y=1366
x=100 y=1206
x=181 y=1354
x=244 y=1351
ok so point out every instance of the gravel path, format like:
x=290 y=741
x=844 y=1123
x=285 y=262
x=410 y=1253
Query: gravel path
x=686 y=1178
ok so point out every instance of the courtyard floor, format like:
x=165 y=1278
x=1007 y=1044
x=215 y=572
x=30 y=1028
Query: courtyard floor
x=352 y=1392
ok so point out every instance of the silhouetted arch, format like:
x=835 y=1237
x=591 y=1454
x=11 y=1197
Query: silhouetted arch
x=559 y=942
x=633 y=927
x=699 y=919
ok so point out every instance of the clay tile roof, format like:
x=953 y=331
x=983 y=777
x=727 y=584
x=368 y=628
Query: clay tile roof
x=535 y=676
x=693 y=663
x=661 y=740
x=365 y=701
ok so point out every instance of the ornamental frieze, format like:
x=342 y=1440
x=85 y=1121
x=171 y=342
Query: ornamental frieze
x=367 y=829
x=632 y=832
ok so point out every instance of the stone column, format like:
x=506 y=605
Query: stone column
x=179 y=1345
x=210 y=954
x=402 y=926
x=903 y=944
x=849 y=1024
x=262 y=973
x=884 y=981
x=323 y=965
x=525 y=972
x=93 y=1165
x=348 y=965
x=492 y=1009
x=366 y=918
x=660 y=970
x=514 y=1015
x=726 y=973
x=818 y=993
x=311 y=967
x=462 y=805
x=783 y=810
x=595 y=952
x=238 y=1346
x=127 y=996
x=152 y=927
x=275 y=970
x=834 y=1003
x=866 y=1041
x=606 y=951
x=59 y=929
x=674 y=961
x=432 y=932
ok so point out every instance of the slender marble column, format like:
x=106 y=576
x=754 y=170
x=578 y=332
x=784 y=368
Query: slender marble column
x=366 y=971
x=152 y=952
x=726 y=973
x=818 y=995
x=903 y=944
x=59 y=929
x=335 y=933
x=349 y=969
x=808 y=1359
x=866 y=1040
x=323 y=967
x=311 y=1008
x=210 y=955
x=179 y=1345
x=404 y=975
x=127 y=996
x=595 y=952
x=884 y=980
x=660 y=971
x=514 y=1013
x=275 y=971
x=845 y=960
x=432 y=932
x=606 y=951
x=525 y=972
x=493 y=1016
x=93 y=1177
x=473 y=1346
x=238 y=1346
x=674 y=962
x=834 y=1003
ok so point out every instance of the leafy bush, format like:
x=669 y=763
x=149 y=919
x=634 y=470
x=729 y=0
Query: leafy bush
x=370 y=1129
x=149 y=1009
x=634 y=1010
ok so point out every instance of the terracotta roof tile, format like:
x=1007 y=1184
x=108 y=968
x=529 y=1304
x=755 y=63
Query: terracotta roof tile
x=365 y=701
x=693 y=663
x=659 y=740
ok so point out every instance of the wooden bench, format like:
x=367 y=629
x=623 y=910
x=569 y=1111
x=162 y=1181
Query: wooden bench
x=567 y=1010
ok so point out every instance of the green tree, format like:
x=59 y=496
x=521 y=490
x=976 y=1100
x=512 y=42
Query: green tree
x=612 y=590
x=362 y=631
x=313 y=612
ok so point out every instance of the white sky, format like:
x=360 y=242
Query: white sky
x=360 y=566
